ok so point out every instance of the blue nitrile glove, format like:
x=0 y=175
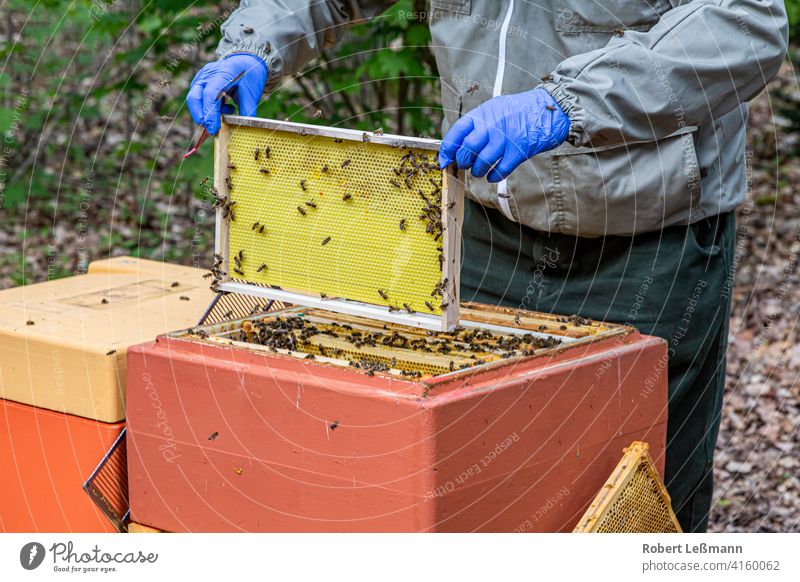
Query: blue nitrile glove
x=217 y=76
x=505 y=131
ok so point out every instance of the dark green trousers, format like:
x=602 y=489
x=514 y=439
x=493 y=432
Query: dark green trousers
x=673 y=284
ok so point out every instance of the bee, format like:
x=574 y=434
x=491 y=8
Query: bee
x=435 y=183
x=261 y=229
x=30 y=322
x=318 y=114
x=208 y=275
x=111 y=352
x=443 y=306
x=184 y=298
x=248 y=30
x=322 y=295
x=403 y=224
x=238 y=272
x=231 y=166
x=324 y=169
x=347 y=196
x=472 y=88
x=365 y=137
x=103 y=301
x=383 y=294
x=407 y=182
x=346 y=163
x=394 y=183
x=547 y=78
x=311 y=204
x=204 y=181
x=393 y=308
x=263 y=171
x=503 y=195
x=303 y=185
x=451 y=204
x=551 y=108
x=213 y=436
x=301 y=210
x=228 y=183
x=378 y=131
x=407 y=307
x=516 y=319
x=241 y=255
x=255 y=225
x=619 y=32
x=238 y=470
x=261 y=268
x=256 y=154
x=337 y=140
x=429 y=305
x=237 y=261
x=326 y=240
x=334 y=424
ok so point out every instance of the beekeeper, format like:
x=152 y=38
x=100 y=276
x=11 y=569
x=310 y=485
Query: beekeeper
x=605 y=143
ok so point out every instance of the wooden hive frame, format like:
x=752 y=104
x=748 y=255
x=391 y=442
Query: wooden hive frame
x=452 y=209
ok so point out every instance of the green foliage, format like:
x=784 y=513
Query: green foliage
x=94 y=93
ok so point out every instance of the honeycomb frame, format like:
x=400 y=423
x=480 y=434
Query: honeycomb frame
x=633 y=499
x=340 y=232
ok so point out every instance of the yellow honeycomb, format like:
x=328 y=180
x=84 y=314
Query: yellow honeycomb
x=330 y=217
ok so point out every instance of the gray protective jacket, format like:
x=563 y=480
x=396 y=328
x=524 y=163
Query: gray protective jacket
x=655 y=90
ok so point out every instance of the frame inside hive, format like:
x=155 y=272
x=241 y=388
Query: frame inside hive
x=322 y=219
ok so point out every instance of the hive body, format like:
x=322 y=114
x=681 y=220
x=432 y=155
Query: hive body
x=242 y=440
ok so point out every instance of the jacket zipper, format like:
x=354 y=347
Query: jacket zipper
x=502 y=187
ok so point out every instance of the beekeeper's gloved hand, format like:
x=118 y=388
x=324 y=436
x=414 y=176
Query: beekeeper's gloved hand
x=503 y=132
x=217 y=76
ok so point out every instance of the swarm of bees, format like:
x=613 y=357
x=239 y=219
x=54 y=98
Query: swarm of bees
x=468 y=347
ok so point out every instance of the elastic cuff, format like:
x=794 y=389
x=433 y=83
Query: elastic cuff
x=264 y=51
x=577 y=136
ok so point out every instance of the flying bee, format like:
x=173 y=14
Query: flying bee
x=261 y=268
x=383 y=294
x=346 y=163
x=347 y=196
x=318 y=114
x=263 y=171
x=311 y=204
x=403 y=224
x=301 y=210
x=303 y=185
x=326 y=240
x=378 y=131
x=429 y=305
x=238 y=272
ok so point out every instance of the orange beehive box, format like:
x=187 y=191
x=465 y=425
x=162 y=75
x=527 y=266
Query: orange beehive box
x=45 y=457
x=63 y=342
x=224 y=436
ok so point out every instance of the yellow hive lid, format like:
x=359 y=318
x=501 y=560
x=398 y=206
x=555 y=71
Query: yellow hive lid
x=63 y=342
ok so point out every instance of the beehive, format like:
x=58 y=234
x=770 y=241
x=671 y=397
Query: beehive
x=63 y=342
x=45 y=457
x=354 y=222
x=253 y=437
